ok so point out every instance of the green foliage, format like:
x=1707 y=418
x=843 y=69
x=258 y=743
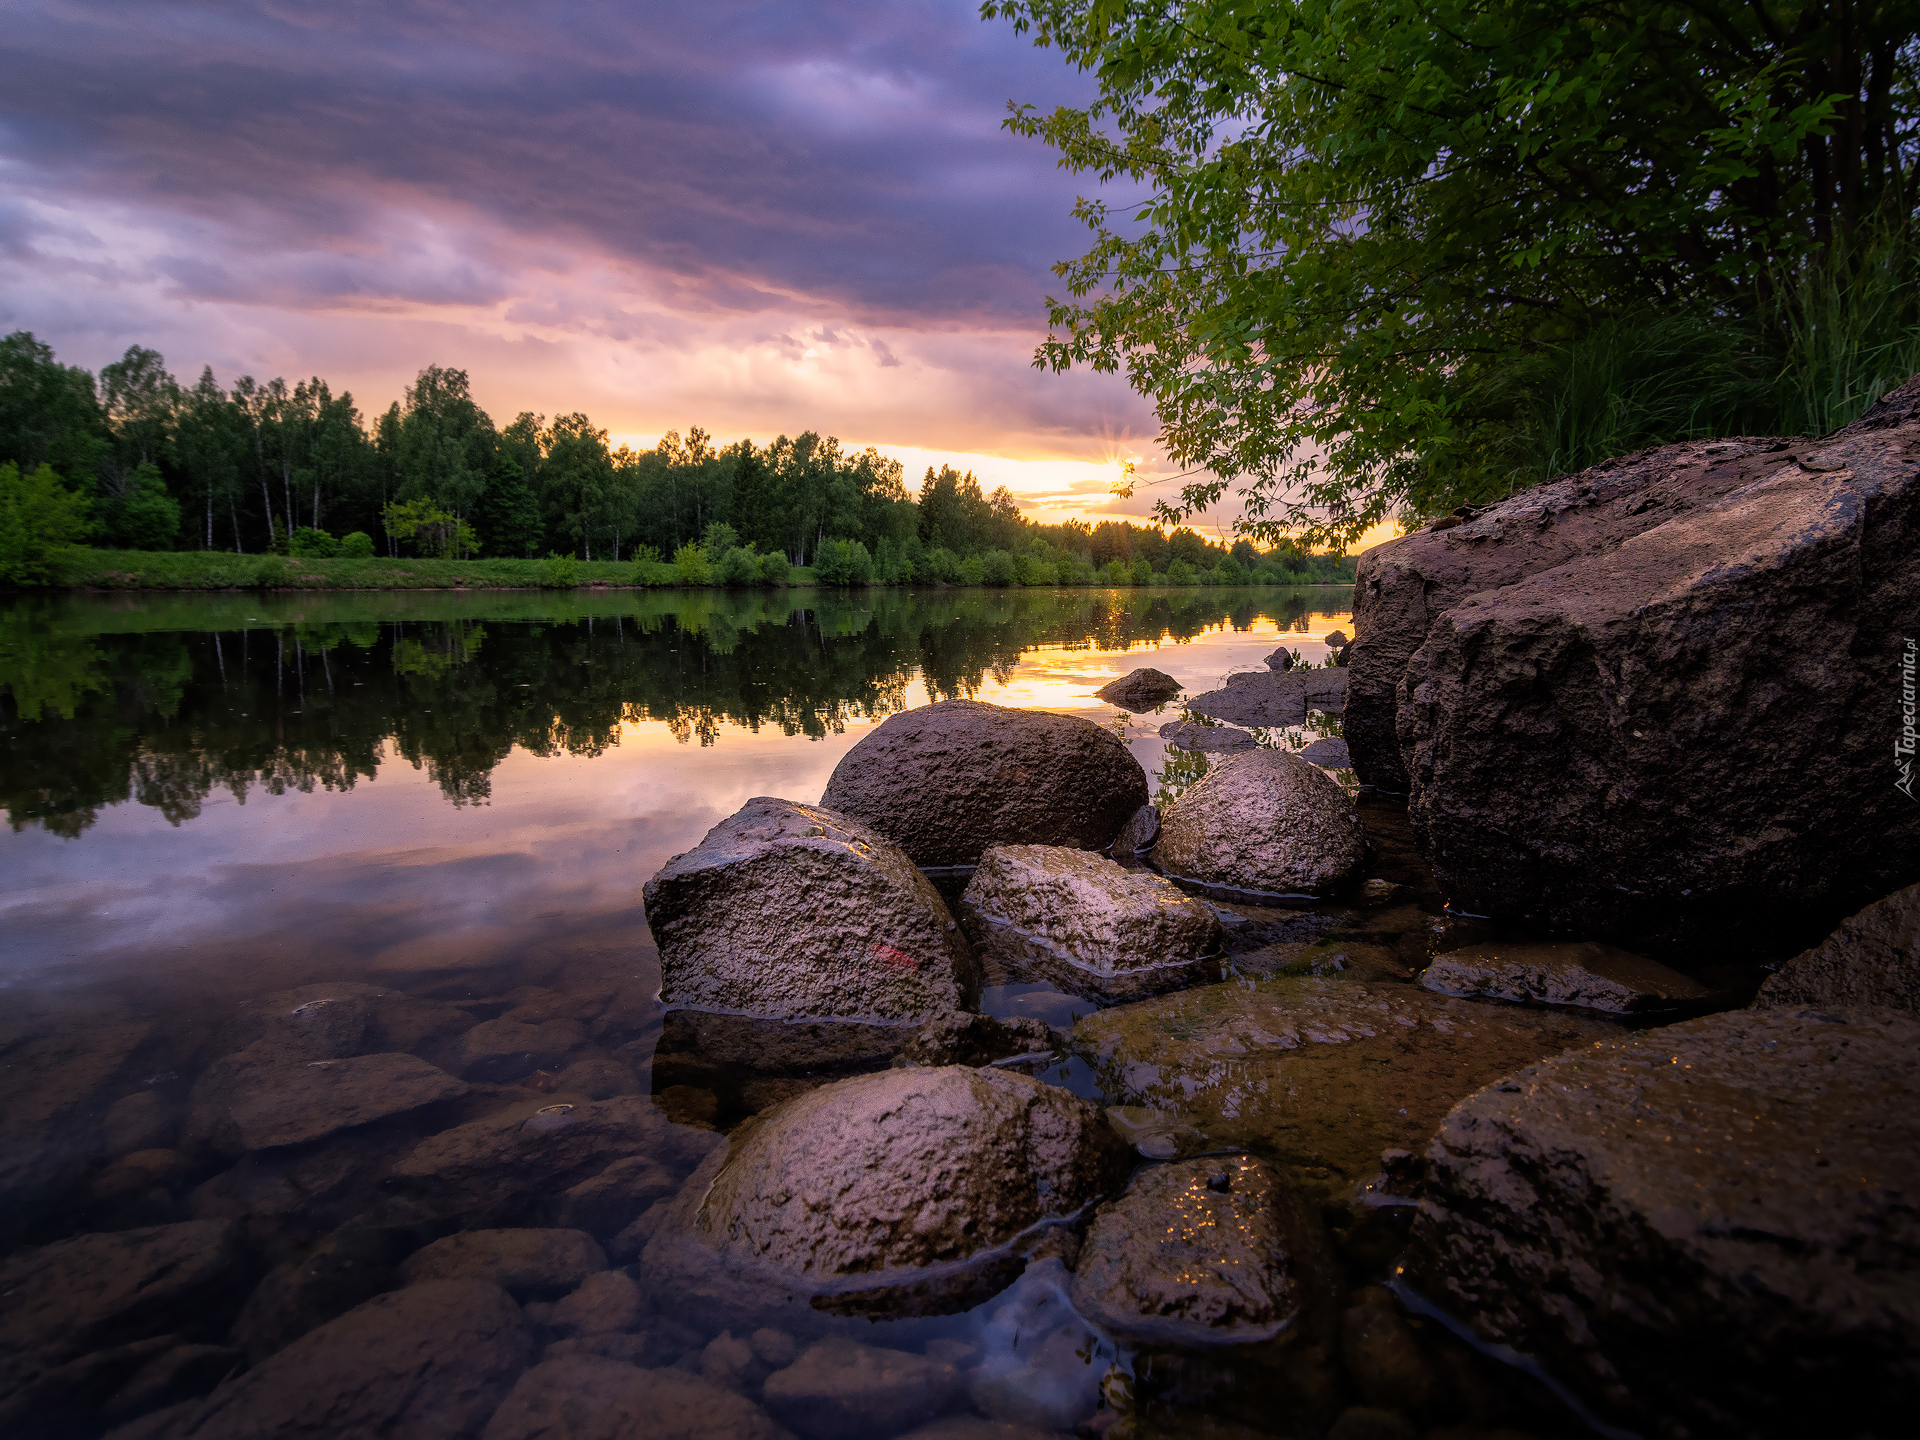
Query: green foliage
x=719 y=538
x=559 y=572
x=270 y=572
x=358 y=545
x=39 y=519
x=430 y=529
x=317 y=544
x=942 y=566
x=1849 y=328
x=738 y=566
x=843 y=562
x=1116 y=572
x=691 y=561
x=999 y=569
x=1142 y=573
x=775 y=568
x=142 y=515
x=507 y=519
x=1354 y=220
x=1181 y=573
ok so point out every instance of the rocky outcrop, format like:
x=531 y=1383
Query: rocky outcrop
x=432 y=1360
x=1216 y=1251
x=581 y=1397
x=1322 y=1073
x=808 y=1204
x=1078 y=921
x=259 y=1099
x=1595 y=977
x=946 y=781
x=1140 y=690
x=1265 y=823
x=1701 y=1229
x=788 y=911
x=1872 y=959
x=1269 y=697
x=1627 y=703
x=1209 y=739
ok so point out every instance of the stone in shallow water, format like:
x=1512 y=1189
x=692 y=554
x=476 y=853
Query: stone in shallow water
x=842 y=1388
x=527 y=1264
x=806 y=1204
x=325 y=1279
x=1321 y=1074
x=1702 y=1229
x=430 y=1361
x=1273 y=698
x=1872 y=959
x=946 y=781
x=1264 y=823
x=1215 y=1251
x=1136 y=837
x=140 y=1121
x=964 y=1038
x=1140 y=690
x=505 y=1049
x=1078 y=921
x=1208 y=739
x=1328 y=752
x=1594 y=977
x=580 y=1397
x=1281 y=659
x=788 y=911
x=257 y=1100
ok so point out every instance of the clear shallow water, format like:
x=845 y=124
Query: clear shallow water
x=458 y=797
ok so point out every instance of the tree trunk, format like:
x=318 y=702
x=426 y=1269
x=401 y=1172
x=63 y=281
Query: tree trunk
x=266 y=503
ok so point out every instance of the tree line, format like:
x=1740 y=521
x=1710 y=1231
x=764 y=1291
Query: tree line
x=135 y=459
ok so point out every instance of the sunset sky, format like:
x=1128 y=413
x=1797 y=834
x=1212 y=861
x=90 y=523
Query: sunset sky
x=753 y=217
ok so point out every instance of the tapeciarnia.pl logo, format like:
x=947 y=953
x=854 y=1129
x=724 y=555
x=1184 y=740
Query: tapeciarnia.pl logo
x=1903 y=747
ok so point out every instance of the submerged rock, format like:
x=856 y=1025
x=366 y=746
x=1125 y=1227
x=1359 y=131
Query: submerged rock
x=325 y=1279
x=1136 y=837
x=1323 y=1074
x=1595 y=977
x=1078 y=921
x=580 y=1397
x=1272 y=697
x=1208 y=739
x=1626 y=702
x=946 y=781
x=1217 y=1251
x=1329 y=753
x=1140 y=690
x=842 y=1388
x=433 y=1360
x=259 y=1100
x=527 y=1264
x=1702 y=1229
x=964 y=1038
x=807 y=1204
x=1263 y=823
x=338 y=1018
x=788 y=911
x=505 y=1049
x=1872 y=959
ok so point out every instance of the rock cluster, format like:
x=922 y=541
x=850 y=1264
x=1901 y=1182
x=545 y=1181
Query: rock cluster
x=946 y=781
x=1264 y=823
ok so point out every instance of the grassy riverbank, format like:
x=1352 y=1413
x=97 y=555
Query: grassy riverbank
x=90 y=569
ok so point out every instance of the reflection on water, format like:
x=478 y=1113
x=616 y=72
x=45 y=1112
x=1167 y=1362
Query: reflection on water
x=426 y=820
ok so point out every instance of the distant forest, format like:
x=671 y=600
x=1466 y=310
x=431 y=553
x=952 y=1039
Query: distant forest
x=297 y=469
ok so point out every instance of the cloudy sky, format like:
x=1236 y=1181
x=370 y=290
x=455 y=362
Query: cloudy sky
x=754 y=217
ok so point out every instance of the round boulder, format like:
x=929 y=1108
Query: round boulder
x=1215 y=1251
x=1083 y=924
x=946 y=781
x=789 y=912
x=1140 y=690
x=895 y=1193
x=1263 y=823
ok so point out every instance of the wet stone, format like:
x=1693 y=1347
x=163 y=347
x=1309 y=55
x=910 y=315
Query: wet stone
x=527 y=1264
x=1383 y=1359
x=966 y=1038
x=1873 y=958
x=1082 y=923
x=505 y=1049
x=603 y=1303
x=842 y=1388
x=1274 y=698
x=257 y=1100
x=1263 y=823
x=173 y=1375
x=1328 y=753
x=430 y=1361
x=1589 y=975
x=584 y=1398
x=1215 y=1251
x=1321 y=1073
x=788 y=911
x=1140 y=690
x=1208 y=739
x=1281 y=659
x=144 y=1120
x=1136 y=837
x=339 y=1271
x=605 y=1204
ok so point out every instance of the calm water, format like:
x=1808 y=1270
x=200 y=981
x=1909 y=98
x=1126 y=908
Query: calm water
x=458 y=797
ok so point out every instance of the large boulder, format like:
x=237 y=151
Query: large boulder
x=432 y=1361
x=1628 y=703
x=1217 y=1251
x=1078 y=921
x=1209 y=739
x=787 y=911
x=891 y=1193
x=946 y=781
x=1140 y=690
x=1263 y=823
x=1272 y=697
x=1702 y=1229
x=1872 y=959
